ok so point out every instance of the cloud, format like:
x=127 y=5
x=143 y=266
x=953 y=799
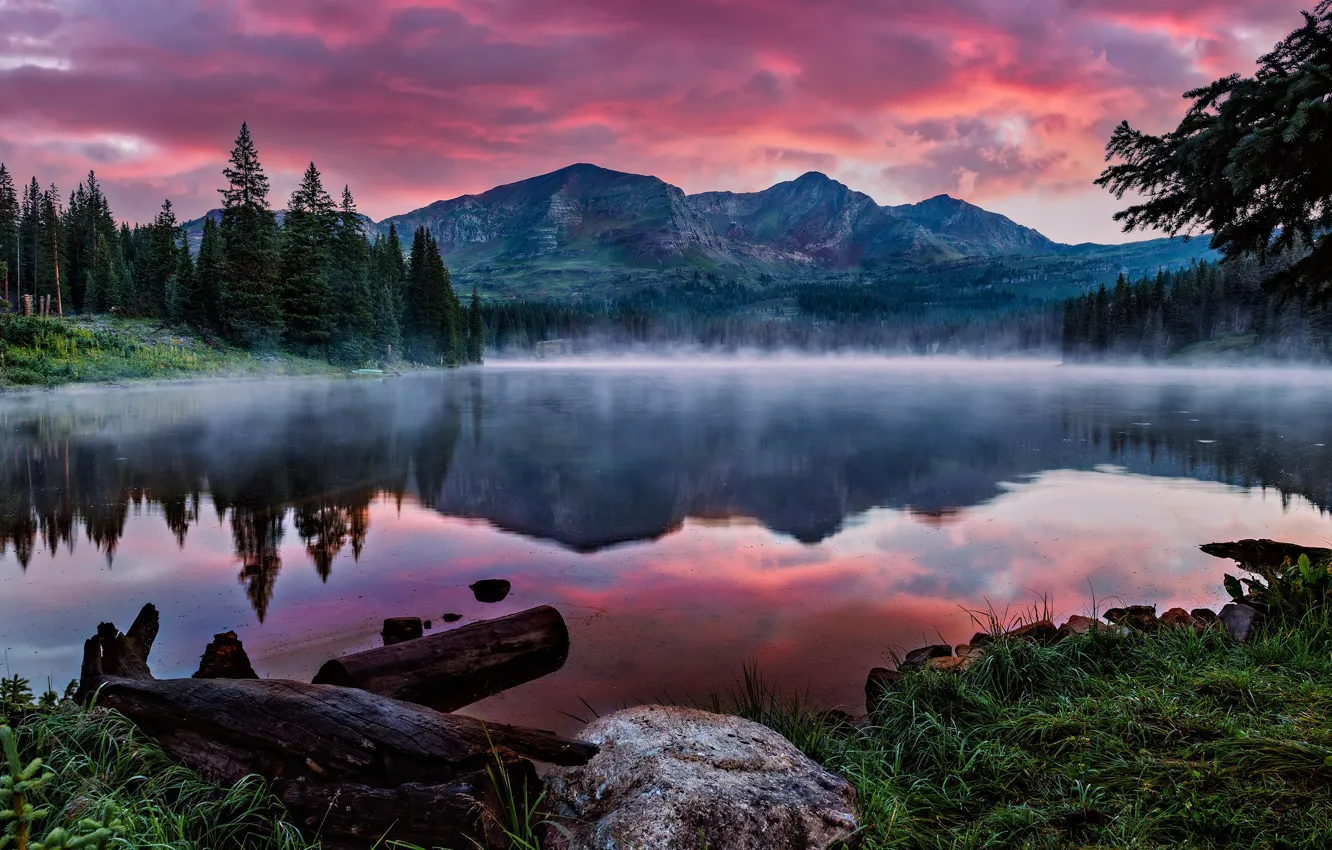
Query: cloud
x=410 y=101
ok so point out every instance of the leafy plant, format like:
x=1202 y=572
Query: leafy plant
x=1288 y=592
x=22 y=787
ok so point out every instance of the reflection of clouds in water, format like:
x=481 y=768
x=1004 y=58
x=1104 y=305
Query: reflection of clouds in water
x=679 y=616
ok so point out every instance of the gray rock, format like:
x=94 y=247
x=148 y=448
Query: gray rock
x=917 y=658
x=670 y=778
x=1240 y=620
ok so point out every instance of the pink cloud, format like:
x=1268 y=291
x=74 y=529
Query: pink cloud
x=410 y=101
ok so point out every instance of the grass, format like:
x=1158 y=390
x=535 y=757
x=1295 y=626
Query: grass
x=37 y=352
x=100 y=768
x=1102 y=740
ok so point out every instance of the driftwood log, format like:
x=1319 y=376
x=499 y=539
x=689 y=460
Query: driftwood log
x=354 y=764
x=451 y=669
x=1264 y=553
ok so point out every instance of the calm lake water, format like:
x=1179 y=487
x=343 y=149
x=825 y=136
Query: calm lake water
x=686 y=518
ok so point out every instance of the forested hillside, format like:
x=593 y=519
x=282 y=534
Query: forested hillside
x=313 y=284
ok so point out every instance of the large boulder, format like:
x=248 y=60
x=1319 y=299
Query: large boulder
x=670 y=778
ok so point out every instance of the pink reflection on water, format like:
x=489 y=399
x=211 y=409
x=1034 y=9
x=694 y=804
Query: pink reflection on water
x=672 y=619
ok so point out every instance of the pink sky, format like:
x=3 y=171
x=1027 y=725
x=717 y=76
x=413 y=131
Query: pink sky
x=1007 y=103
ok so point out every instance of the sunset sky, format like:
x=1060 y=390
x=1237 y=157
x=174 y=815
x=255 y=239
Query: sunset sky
x=1007 y=103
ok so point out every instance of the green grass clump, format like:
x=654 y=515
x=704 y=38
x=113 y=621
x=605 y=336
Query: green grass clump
x=1174 y=739
x=98 y=782
x=36 y=352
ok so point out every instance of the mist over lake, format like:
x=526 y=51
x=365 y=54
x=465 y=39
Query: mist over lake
x=686 y=516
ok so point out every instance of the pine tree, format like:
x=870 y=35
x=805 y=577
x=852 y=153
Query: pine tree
x=51 y=236
x=182 y=301
x=249 y=307
x=351 y=306
x=432 y=331
x=209 y=274
x=476 y=330
x=307 y=243
x=9 y=221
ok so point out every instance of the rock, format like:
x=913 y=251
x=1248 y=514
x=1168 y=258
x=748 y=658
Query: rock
x=1264 y=553
x=966 y=650
x=1206 y=616
x=981 y=638
x=451 y=618
x=667 y=778
x=490 y=589
x=880 y=681
x=1041 y=631
x=427 y=625
x=916 y=658
x=399 y=629
x=225 y=658
x=1076 y=625
x=1240 y=620
x=951 y=664
x=1140 y=617
x=1178 y=618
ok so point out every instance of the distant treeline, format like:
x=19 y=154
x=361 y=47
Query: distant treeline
x=314 y=284
x=1153 y=318
x=817 y=316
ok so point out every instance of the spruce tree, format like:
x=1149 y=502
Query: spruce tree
x=248 y=300
x=182 y=302
x=476 y=330
x=351 y=305
x=209 y=274
x=9 y=221
x=307 y=241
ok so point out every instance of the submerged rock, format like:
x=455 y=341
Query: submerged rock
x=399 y=629
x=1240 y=620
x=451 y=618
x=490 y=589
x=671 y=778
x=225 y=658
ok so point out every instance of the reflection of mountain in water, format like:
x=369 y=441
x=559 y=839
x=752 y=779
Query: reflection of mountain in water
x=591 y=458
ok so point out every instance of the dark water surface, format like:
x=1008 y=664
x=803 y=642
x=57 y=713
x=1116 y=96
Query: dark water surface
x=685 y=518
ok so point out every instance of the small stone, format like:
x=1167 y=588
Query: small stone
x=1140 y=617
x=225 y=658
x=1077 y=625
x=952 y=664
x=1206 y=616
x=880 y=681
x=1041 y=631
x=1178 y=618
x=399 y=629
x=428 y=625
x=966 y=650
x=666 y=775
x=490 y=589
x=451 y=618
x=982 y=638
x=916 y=658
x=1240 y=620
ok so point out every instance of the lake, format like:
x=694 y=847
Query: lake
x=686 y=517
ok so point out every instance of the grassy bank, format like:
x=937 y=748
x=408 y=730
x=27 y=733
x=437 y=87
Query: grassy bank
x=49 y=352
x=106 y=784
x=1173 y=739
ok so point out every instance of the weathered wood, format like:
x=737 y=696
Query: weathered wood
x=451 y=669
x=1264 y=553
x=452 y=814
x=356 y=762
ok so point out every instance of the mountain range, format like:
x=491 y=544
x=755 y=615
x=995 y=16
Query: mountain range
x=584 y=223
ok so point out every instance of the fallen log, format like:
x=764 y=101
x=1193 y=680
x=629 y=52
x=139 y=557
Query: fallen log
x=451 y=669
x=378 y=761
x=1264 y=553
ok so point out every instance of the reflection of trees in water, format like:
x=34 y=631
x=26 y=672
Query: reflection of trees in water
x=323 y=471
x=591 y=461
